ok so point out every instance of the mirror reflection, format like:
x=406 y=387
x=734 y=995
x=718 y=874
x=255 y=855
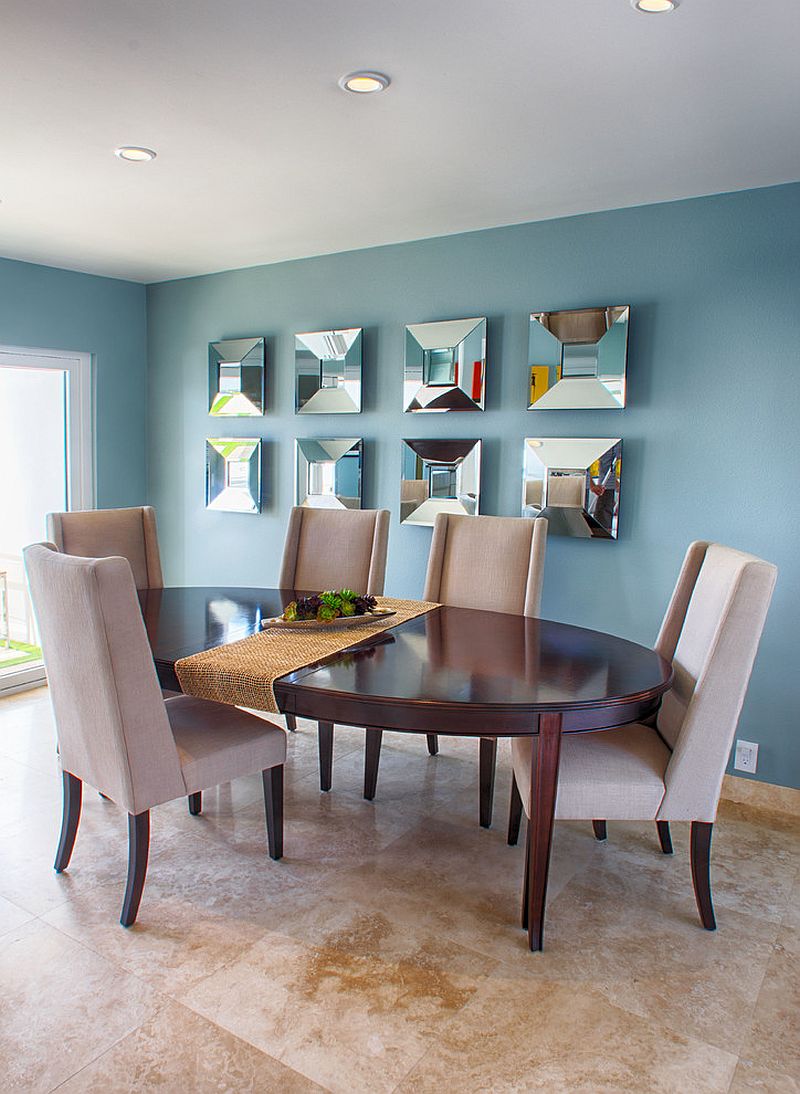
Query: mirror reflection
x=445 y=366
x=328 y=372
x=578 y=359
x=236 y=378
x=575 y=483
x=439 y=476
x=233 y=474
x=328 y=473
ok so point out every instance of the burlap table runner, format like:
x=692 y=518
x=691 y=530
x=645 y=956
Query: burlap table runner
x=242 y=673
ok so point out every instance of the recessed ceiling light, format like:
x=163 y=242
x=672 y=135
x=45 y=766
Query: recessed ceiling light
x=655 y=7
x=364 y=83
x=134 y=154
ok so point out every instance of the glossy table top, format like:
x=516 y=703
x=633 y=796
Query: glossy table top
x=453 y=670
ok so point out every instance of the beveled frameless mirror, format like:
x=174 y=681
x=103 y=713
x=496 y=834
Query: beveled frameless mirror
x=327 y=365
x=445 y=366
x=328 y=472
x=236 y=378
x=233 y=474
x=575 y=483
x=578 y=359
x=439 y=476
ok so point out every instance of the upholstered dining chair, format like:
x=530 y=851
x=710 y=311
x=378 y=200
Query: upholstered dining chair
x=672 y=770
x=334 y=549
x=99 y=533
x=115 y=730
x=492 y=563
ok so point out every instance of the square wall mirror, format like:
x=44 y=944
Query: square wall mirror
x=578 y=359
x=236 y=378
x=327 y=366
x=445 y=366
x=575 y=483
x=328 y=473
x=440 y=476
x=233 y=474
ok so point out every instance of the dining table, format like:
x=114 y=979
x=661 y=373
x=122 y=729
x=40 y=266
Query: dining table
x=449 y=671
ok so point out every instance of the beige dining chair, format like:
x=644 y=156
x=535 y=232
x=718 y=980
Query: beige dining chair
x=492 y=563
x=334 y=549
x=115 y=730
x=672 y=770
x=99 y=533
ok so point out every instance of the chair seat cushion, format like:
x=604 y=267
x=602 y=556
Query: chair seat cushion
x=217 y=742
x=615 y=774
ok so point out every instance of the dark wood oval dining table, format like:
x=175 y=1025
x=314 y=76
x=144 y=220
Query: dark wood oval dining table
x=452 y=671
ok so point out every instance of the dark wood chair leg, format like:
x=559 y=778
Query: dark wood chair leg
x=664 y=837
x=600 y=830
x=325 y=735
x=273 y=808
x=487 y=765
x=514 y=813
x=544 y=785
x=526 y=880
x=372 y=758
x=138 y=852
x=71 y=815
x=196 y=803
x=701 y=872
x=291 y=723
x=433 y=744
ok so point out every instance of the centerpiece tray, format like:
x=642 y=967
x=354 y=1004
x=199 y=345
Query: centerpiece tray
x=344 y=621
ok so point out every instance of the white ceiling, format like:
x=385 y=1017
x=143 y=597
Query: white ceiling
x=500 y=111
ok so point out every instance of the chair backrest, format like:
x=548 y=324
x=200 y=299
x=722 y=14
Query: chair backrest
x=112 y=726
x=494 y=563
x=336 y=549
x=710 y=633
x=101 y=533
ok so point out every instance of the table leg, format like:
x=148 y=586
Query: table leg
x=325 y=736
x=544 y=784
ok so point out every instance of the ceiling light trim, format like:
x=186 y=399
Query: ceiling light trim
x=371 y=82
x=135 y=153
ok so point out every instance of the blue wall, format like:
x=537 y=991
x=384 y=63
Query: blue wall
x=45 y=308
x=711 y=437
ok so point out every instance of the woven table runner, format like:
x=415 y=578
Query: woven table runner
x=242 y=673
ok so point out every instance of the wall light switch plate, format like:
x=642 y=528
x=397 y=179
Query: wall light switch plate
x=746 y=756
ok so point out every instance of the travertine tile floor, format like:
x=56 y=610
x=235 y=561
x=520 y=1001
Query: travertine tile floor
x=383 y=953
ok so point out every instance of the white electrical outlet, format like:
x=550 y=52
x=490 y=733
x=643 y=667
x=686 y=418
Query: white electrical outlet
x=746 y=756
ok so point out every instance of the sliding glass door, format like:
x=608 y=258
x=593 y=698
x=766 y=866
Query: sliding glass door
x=45 y=465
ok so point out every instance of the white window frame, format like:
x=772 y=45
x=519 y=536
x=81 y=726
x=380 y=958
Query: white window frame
x=80 y=448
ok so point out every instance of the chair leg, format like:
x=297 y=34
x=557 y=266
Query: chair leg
x=514 y=813
x=138 y=851
x=273 y=808
x=196 y=803
x=291 y=723
x=526 y=881
x=372 y=758
x=664 y=837
x=433 y=744
x=487 y=765
x=71 y=815
x=599 y=829
x=325 y=735
x=701 y=872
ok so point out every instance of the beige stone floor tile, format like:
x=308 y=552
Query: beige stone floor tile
x=24 y=791
x=751 y=1079
x=204 y=902
x=774 y=1040
x=178 y=1051
x=12 y=916
x=631 y=936
x=520 y=1035
x=27 y=732
x=61 y=1005
x=353 y=1012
